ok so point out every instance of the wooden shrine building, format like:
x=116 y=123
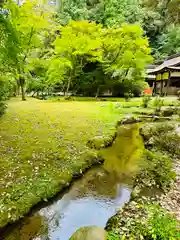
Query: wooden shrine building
x=164 y=78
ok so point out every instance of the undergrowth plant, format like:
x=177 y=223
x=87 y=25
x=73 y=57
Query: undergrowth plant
x=143 y=220
x=157 y=171
x=158 y=104
x=114 y=236
x=146 y=100
x=128 y=96
x=162 y=225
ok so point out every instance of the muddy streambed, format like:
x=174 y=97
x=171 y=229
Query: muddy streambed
x=91 y=200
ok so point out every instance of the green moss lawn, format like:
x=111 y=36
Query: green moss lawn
x=44 y=142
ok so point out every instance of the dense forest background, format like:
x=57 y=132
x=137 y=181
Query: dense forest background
x=159 y=19
x=84 y=46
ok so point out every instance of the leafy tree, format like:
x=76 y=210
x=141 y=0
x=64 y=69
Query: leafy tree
x=79 y=42
x=169 y=9
x=117 y=12
x=106 y=12
x=80 y=10
x=8 y=41
x=30 y=21
x=157 y=23
x=116 y=54
x=38 y=79
x=126 y=52
x=169 y=41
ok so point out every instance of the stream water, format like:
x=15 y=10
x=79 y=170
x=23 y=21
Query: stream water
x=91 y=200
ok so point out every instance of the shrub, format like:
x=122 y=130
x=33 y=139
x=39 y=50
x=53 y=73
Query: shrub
x=69 y=98
x=157 y=172
x=169 y=142
x=156 y=129
x=146 y=100
x=162 y=225
x=128 y=221
x=162 y=136
x=128 y=96
x=2 y=108
x=169 y=112
x=158 y=103
x=114 y=236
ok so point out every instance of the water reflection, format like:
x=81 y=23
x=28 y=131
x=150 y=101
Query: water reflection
x=30 y=228
x=90 y=201
x=123 y=158
x=94 y=198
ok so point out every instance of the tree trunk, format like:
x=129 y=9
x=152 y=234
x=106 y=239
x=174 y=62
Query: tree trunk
x=97 y=93
x=23 y=93
x=18 y=87
x=68 y=86
x=22 y=84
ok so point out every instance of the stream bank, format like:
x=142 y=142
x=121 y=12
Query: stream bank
x=91 y=200
x=97 y=196
x=153 y=215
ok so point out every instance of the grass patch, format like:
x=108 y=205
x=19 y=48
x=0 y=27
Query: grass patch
x=43 y=143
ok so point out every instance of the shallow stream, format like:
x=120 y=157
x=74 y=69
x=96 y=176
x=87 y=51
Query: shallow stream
x=91 y=200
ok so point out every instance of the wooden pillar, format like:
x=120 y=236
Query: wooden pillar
x=168 y=83
x=161 y=90
x=154 y=88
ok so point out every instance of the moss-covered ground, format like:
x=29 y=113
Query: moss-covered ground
x=43 y=143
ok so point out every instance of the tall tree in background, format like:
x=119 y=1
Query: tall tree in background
x=8 y=40
x=121 y=53
x=162 y=21
x=106 y=12
x=30 y=21
x=169 y=41
x=80 y=10
x=169 y=9
x=78 y=44
x=117 y=12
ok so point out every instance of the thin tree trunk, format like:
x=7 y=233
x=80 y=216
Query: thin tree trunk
x=18 y=90
x=23 y=93
x=68 y=86
x=22 y=84
x=97 y=93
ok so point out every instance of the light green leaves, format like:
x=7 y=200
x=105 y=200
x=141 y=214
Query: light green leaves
x=122 y=49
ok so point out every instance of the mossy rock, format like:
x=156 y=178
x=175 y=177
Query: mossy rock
x=100 y=142
x=128 y=120
x=169 y=112
x=149 y=130
x=90 y=233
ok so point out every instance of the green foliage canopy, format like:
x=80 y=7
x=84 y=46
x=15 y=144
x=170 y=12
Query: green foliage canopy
x=120 y=52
